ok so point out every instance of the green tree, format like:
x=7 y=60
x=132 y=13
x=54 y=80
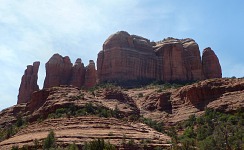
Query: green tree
x=98 y=144
x=50 y=141
x=73 y=147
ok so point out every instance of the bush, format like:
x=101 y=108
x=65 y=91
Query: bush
x=15 y=148
x=50 y=141
x=19 y=121
x=88 y=109
x=153 y=124
x=98 y=144
x=140 y=95
x=214 y=130
x=73 y=147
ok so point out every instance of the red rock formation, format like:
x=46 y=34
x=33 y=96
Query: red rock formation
x=126 y=57
x=37 y=99
x=171 y=65
x=28 y=83
x=192 y=59
x=91 y=75
x=179 y=60
x=78 y=74
x=58 y=71
x=201 y=93
x=211 y=65
x=164 y=101
x=129 y=57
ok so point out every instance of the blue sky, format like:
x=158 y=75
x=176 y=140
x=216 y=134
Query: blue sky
x=33 y=30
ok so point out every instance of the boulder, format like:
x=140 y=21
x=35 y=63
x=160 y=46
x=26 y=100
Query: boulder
x=38 y=98
x=28 y=83
x=210 y=64
x=163 y=102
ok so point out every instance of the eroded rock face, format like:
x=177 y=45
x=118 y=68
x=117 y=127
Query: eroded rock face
x=38 y=98
x=28 y=83
x=90 y=75
x=202 y=93
x=211 y=65
x=128 y=57
x=171 y=63
x=78 y=74
x=192 y=59
x=58 y=71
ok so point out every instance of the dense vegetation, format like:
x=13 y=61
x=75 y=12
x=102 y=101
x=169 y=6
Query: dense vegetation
x=213 y=131
x=98 y=144
x=88 y=109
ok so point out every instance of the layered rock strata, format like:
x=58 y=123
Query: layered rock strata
x=126 y=57
x=129 y=57
x=28 y=83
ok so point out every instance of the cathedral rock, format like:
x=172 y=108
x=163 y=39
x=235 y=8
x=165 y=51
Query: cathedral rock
x=127 y=57
x=130 y=57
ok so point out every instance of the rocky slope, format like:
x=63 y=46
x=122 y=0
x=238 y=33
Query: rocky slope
x=82 y=129
x=164 y=102
x=129 y=57
x=225 y=95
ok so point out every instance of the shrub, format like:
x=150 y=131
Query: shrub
x=73 y=147
x=50 y=141
x=98 y=144
x=214 y=130
x=131 y=142
x=140 y=95
x=19 y=121
x=153 y=124
x=36 y=144
x=15 y=148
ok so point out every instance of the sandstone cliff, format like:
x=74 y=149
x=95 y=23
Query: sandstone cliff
x=28 y=83
x=90 y=75
x=126 y=57
x=129 y=57
x=60 y=71
x=211 y=65
x=78 y=74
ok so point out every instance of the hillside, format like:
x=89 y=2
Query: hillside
x=115 y=114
